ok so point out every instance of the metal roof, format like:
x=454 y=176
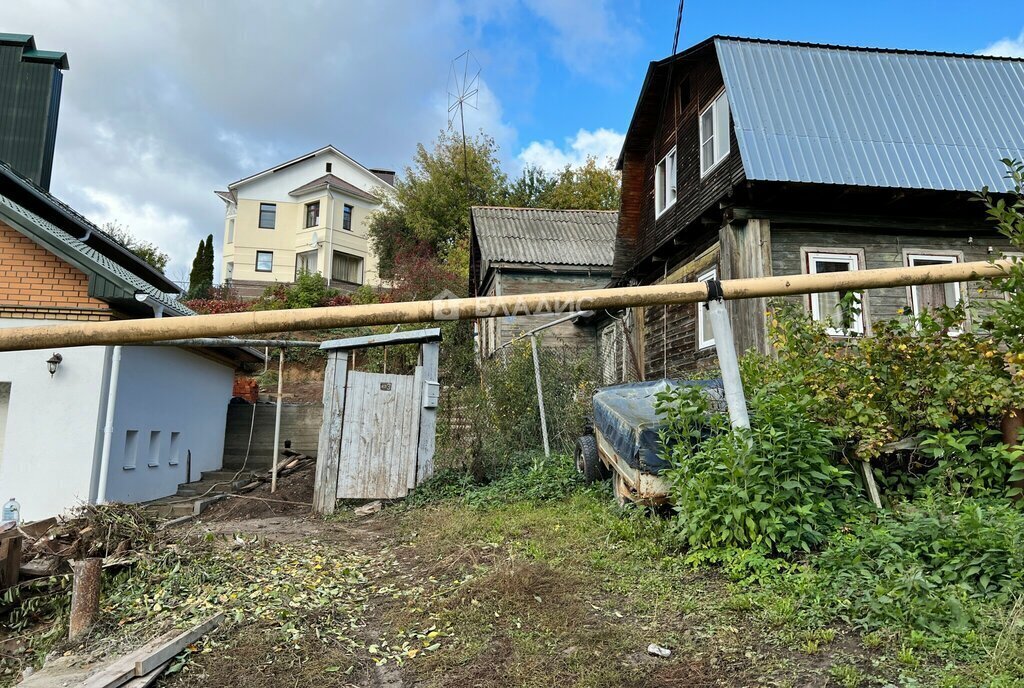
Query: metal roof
x=548 y=237
x=329 y=181
x=872 y=117
x=107 y=279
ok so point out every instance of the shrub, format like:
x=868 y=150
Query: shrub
x=772 y=488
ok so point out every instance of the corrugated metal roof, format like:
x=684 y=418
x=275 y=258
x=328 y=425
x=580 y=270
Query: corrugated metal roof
x=548 y=237
x=868 y=117
x=90 y=260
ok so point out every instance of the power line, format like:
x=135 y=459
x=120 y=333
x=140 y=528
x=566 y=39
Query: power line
x=679 y=20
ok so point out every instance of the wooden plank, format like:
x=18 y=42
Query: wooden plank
x=411 y=429
x=331 y=431
x=10 y=561
x=150 y=662
x=432 y=334
x=122 y=669
x=148 y=679
x=425 y=445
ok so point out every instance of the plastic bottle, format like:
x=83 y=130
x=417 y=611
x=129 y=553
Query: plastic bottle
x=11 y=512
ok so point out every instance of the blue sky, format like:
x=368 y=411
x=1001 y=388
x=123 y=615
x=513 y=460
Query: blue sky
x=167 y=101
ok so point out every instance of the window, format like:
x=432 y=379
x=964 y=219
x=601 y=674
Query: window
x=229 y=271
x=231 y=230
x=131 y=449
x=154 y=448
x=313 y=214
x=665 y=183
x=842 y=313
x=268 y=215
x=305 y=262
x=174 y=456
x=347 y=268
x=264 y=261
x=705 y=333
x=5 y=404
x=714 y=134
x=346 y=218
x=928 y=297
x=610 y=353
x=327 y=168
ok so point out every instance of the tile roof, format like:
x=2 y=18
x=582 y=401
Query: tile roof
x=115 y=280
x=873 y=117
x=332 y=182
x=549 y=237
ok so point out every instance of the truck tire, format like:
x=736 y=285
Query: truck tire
x=588 y=463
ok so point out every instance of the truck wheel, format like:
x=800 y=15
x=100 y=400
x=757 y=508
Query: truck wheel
x=587 y=461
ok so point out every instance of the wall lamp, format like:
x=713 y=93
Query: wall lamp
x=52 y=362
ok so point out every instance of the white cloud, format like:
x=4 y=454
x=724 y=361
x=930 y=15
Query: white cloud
x=587 y=34
x=1006 y=47
x=603 y=144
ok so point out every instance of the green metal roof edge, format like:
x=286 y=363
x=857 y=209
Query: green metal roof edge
x=78 y=254
x=18 y=39
x=60 y=60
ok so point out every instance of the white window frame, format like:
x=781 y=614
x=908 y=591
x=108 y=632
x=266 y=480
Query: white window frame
x=665 y=183
x=950 y=257
x=704 y=341
x=719 y=135
x=271 y=254
x=855 y=259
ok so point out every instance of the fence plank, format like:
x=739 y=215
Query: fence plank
x=329 y=445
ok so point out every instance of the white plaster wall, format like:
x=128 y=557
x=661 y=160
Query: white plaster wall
x=53 y=428
x=169 y=390
x=275 y=186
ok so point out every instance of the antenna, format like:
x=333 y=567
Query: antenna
x=679 y=20
x=463 y=89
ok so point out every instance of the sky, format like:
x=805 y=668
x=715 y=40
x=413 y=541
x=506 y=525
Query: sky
x=168 y=100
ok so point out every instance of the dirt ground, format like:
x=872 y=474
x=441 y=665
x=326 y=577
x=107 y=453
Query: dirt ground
x=521 y=595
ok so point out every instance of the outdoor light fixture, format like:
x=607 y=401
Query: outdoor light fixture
x=53 y=362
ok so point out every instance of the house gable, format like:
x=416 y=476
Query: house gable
x=277 y=183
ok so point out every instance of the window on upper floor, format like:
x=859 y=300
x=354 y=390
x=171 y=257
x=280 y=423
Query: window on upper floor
x=305 y=262
x=665 y=183
x=705 y=334
x=714 y=133
x=268 y=215
x=231 y=230
x=347 y=268
x=313 y=214
x=346 y=218
x=843 y=311
x=264 y=261
x=327 y=168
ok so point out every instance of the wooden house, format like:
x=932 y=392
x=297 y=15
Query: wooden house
x=747 y=158
x=533 y=250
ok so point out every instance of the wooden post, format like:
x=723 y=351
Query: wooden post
x=540 y=395
x=85 y=595
x=325 y=489
x=277 y=421
x=429 y=354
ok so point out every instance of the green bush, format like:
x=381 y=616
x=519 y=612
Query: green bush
x=773 y=488
x=936 y=564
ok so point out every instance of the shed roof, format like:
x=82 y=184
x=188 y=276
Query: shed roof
x=873 y=117
x=544 y=236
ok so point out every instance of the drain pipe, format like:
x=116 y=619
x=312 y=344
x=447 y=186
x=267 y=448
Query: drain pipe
x=727 y=359
x=108 y=426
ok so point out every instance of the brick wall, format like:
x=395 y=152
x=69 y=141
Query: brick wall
x=35 y=283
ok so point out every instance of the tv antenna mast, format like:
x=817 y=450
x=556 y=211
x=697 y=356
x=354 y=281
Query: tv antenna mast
x=463 y=89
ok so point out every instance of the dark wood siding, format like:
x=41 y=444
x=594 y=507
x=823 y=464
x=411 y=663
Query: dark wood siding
x=882 y=249
x=678 y=126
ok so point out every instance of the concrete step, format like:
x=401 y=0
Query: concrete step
x=227 y=475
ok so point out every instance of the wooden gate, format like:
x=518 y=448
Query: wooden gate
x=378 y=446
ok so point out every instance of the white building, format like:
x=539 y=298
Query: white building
x=110 y=423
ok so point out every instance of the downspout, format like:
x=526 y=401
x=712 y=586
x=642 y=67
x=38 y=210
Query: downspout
x=329 y=230
x=108 y=426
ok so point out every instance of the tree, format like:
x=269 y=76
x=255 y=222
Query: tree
x=588 y=187
x=145 y=250
x=529 y=189
x=200 y=279
x=430 y=204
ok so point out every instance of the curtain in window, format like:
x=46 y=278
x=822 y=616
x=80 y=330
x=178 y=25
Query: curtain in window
x=347 y=268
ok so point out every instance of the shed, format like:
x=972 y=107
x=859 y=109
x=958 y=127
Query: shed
x=377 y=436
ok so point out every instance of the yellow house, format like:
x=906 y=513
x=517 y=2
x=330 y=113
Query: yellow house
x=311 y=213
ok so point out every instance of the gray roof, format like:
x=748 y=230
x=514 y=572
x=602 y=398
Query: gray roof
x=868 y=117
x=107 y=279
x=329 y=181
x=548 y=237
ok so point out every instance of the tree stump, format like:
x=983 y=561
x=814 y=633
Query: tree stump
x=85 y=595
